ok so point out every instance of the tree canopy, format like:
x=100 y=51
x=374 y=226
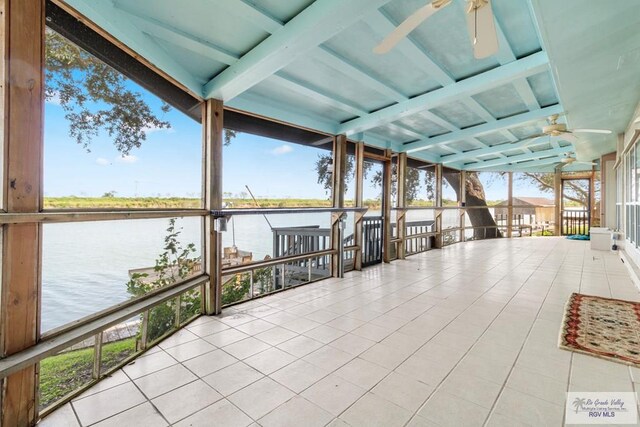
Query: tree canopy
x=96 y=97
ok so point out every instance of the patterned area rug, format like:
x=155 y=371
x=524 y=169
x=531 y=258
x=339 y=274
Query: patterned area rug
x=602 y=327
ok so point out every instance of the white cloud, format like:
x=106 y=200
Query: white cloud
x=153 y=129
x=130 y=158
x=102 y=161
x=283 y=149
x=55 y=99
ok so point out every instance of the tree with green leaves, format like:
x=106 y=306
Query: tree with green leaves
x=175 y=264
x=96 y=98
x=473 y=188
x=575 y=190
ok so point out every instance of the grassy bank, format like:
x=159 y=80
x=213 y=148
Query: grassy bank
x=72 y=202
x=65 y=372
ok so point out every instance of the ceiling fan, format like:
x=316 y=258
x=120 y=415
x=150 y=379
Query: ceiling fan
x=480 y=24
x=569 y=158
x=554 y=129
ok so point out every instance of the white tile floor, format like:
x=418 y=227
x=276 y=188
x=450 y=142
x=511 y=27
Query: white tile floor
x=465 y=336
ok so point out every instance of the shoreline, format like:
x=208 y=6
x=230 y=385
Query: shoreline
x=70 y=202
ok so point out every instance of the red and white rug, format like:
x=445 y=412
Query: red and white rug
x=602 y=327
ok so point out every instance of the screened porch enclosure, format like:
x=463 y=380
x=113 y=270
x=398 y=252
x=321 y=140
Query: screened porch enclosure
x=186 y=213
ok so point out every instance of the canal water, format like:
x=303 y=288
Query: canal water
x=86 y=265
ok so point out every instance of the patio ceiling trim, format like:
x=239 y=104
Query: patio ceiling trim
x=543 y=165
x=265 y=107
x=338 y=63
x=383 y=25
x=518 y=158
x=526 y=93
x=252 y=13
x=496 y=77
x=498 y=125
x=138 y=41
x=178 y=37
x=494 y=149
x=317 y=23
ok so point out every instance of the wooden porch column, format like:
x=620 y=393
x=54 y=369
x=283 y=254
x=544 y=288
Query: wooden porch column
x=557 y=188
x=23 y=113
x=359 y=203
x=463 y=204
x=510 y=204
x=402 y=202
x=386 y=208
x=338 y=178
x=438 y=211
x=213 y=128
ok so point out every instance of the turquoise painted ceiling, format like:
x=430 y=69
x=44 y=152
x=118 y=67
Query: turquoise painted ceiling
x=311 y=63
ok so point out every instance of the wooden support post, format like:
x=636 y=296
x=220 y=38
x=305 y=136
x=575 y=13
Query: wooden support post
x=402 y=202
x=438 y=212
x=593 y=211
x=338 y=185
x=97 y=355
x=557 y=189
x=463 y=204
x=359 y=203
x=22 y=26
x=510 y=204
x=386 y=208
x=213 y=128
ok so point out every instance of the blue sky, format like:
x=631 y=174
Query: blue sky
x=169 y=163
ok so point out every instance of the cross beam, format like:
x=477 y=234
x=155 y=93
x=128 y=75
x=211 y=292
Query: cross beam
x=494 y=149
x=498 y=125
x=518 y=158
x=319 y=22
x=496 y=77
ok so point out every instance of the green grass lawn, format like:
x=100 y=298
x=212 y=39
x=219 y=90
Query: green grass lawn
x=72 y=202
x=65 y=372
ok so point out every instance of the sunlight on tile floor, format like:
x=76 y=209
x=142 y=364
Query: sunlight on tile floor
x=465 y=336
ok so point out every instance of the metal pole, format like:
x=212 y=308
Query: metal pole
x=341 y=227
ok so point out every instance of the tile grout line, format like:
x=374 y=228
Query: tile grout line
x=439 y=385
x=419 y=348
x=492 y=410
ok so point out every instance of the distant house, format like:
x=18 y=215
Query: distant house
x=539 y=207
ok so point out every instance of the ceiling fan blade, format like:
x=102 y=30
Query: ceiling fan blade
x=567 y=136
x=482 y=30
x=602 y=131
x=402 y=30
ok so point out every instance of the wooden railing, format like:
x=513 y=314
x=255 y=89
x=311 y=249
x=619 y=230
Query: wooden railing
x=288 y=241
x=419 y=236
x=575 y=222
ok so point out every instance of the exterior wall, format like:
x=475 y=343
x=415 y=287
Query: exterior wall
x=627 y=203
